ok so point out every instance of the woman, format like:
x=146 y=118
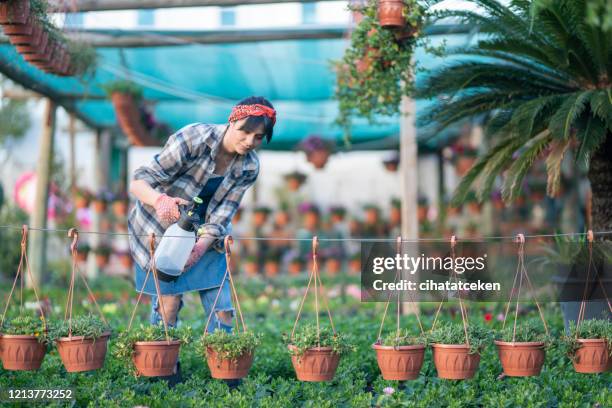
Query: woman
x=217 y=163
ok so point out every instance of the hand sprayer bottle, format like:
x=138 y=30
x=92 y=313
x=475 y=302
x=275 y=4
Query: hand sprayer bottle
x=175 y=247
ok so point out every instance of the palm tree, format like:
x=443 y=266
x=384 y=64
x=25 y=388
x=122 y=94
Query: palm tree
x=540 y=75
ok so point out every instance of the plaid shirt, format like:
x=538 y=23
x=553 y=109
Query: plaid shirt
x=180 y=170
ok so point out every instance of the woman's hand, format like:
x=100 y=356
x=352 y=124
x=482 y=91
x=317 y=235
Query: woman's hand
x=167 y=209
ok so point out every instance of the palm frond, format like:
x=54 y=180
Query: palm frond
x=561 y=123
x=553 y=166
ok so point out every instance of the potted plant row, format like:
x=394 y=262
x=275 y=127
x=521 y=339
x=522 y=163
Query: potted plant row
x=40 y=43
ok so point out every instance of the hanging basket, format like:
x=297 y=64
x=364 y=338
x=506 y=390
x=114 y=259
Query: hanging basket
x=14 y=12
x=316 y=364
x=40 y=39
x=221 y=365
x=156 y=358
x=400 y=363
x=227 y=369
x=80 y=353
x=454 y=361
x=391 y=13
x=130 y=121
x=35 y=32
x=21 y=352
x=593 y=356
x=521 y=359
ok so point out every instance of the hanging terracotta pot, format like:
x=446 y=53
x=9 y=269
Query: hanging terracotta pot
x=82 y=354
x=22 y=352
x=156 y=358
x=126 y=260
x=28 y=39
x=333 y=266
x=40 y=39
x=81 y=255
x=272 y=268
x=43 y=55
x=226 y=369
x=400 y=363
x=128 y=116
x=391 y=13
x=316 y=364
x=250 y=268
x=295 y=268
x=454 y=361
x=593 y=356
x=24 y=29
x=102 y=260
x=99 y=206
x=521 y=359
x=14 y=12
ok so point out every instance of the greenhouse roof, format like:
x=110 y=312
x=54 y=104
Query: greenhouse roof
x=190 y=82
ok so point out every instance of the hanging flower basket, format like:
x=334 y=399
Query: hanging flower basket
x=592 y=356
x=521 y=359
x=400 y=363
x=79 y=353
x=40 y=39
x=315 y=364
x=22 y=352
x=156 y=358
x=34 y=35
x=20 y=30
x=391 y=13
x=455 y=361
x=125 y=98
x=14 y=12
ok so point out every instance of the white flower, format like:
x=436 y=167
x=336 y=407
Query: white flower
x=389 y=390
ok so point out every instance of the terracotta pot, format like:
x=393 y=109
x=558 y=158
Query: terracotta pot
x=102 y=260
x=128 y=116
x=82 y=354
x=464 y=164
x=272 y=268
x=42 y=55
x=38 y=44
x=316 y=364
x=120 y=208
x=521 y=359
x=454 y=361
x=82 y=256
x=99 y=206
x=593 y=356
x=400 y=363
x=295 y=268
x=226 y=369
x=156 y=358
x=250 y=268
x=126 y=261
x=391 y=13
x=21 y=352
x=14 y=12
x=333 y=266
x=355 y=266
x=28 y=39
x=20 y=30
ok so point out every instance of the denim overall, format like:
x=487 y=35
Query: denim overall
x=204 y=276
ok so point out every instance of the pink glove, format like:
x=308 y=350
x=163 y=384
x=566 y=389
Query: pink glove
x=167 y=210
x=196 y=253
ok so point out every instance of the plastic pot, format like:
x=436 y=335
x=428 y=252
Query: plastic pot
x=156 y=358
x=226 y=369
x=129 y=119
x=14 y=12
x=454 y=361
x=521 y=359
x=82 y=354
x=592 y=357
x=400 y=363
x=316 y=364
x=22 y=352
x=38 y=44
x=28 y=39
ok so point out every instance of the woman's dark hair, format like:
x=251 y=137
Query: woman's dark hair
x=253 y=123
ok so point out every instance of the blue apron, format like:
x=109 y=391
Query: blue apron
x=206 y=273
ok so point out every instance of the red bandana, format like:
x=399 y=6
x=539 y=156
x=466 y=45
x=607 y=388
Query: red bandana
x=242 y=111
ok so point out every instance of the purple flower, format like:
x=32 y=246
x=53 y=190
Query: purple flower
x=388 y=390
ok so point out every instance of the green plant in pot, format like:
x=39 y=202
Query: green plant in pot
x=400 y=355
x=83 y=59
x=315 y=354
x=81 y=342
x=522 y=350
x=449 y=344
x=377 y=67
x=229 y=355
x=24 y=342
x=148 y=351
x=589 y=345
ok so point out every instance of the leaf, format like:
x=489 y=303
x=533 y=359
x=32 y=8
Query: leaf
x=590 y=138
x=553 y=166
x=561 y=122
x=601 y=105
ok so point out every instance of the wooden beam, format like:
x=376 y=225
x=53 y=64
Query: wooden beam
x=37 y=250
x=64 y=6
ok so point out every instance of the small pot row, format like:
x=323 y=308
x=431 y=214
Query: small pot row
x=33 y=40
x=158 y=358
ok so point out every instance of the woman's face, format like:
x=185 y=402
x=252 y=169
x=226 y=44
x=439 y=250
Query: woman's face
x=240 y=141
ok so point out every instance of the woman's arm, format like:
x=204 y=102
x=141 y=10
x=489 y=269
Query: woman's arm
x=143 y=191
